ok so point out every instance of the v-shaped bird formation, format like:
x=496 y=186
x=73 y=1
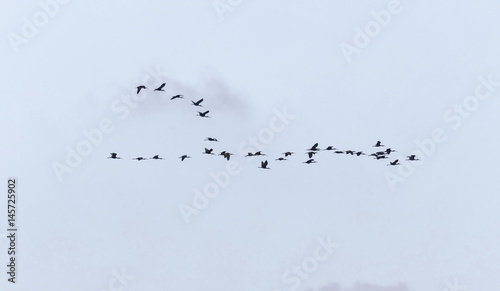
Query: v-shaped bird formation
x=311 y=152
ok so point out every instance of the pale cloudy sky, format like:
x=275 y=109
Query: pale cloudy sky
x=276 y=76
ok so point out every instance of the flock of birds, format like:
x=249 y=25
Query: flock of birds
x=197 y=103
x=311 y=152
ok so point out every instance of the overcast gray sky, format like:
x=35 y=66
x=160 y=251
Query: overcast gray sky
x=421 y=77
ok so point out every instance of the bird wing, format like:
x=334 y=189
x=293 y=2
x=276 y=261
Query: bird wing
x=206 y=112
x=161 y=86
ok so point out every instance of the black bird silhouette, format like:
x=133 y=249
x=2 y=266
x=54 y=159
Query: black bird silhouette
x=349 y=152
x=259 y=154
x=288 y=154
x=380 y=157
x=197 y=103
x=412 y=158
x=395 y=163
x=204 y=114
x=378 y=154
x=310 y=154
x=263 y=165
x=184 y=157
x=311 y=161
x=139 y=158
x=176 y=97
x=314 y=148
x=338 y=152
x=139 y=88
x=113 y=156
x=389 y=151
x=281 y=159
x=157 y=157
x=211 y=139
x=161 y=87
x=228 y=156
x=360 y=153
x=249 y=155
x=379 y=144
x=208 y=151
x=330 y=148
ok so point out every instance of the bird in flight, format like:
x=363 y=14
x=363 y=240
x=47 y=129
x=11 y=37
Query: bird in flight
x=161 y=87
x=184 y=157
x=412 y=158
x=310 y=161
x=379 y=144
x=139 y=159
x=259 y=154
x=249 y=155
x=395 y=163
x=157 y=157
x=314 y=148
x=310 y=154
x=228 y=156
x=263 y=165
x=288 y=154
x=208 y=151
x=211 y=139
x=330 y=148
x=281 y=159
x=113 y=156
x=197 y=103
x=204 y=114
x=389 y=151
x=176 y=97
x=139 y=88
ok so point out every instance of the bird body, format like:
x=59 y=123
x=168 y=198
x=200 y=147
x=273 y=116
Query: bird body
x=263 y=165
x=395 y=163
x=139 y=88
x=209 y=151
x=161 y=87
x=310 y=154
x=177 y=97
x=184 y=157
x=412 y=158
x=139 y=159
x=310 y=161
x=314 y=147
x=157 y=157
x=203 y=114
x=113 y=156
x=197 y=103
